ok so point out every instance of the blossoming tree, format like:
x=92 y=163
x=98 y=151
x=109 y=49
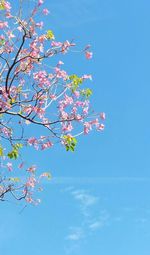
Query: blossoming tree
x=33 y=94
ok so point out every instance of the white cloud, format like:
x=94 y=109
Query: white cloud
x=96 y=225
x=76 y=234
x=84 y=198
x=91 y=215
x=101 y=221
x=85 y=201
x=92 y=219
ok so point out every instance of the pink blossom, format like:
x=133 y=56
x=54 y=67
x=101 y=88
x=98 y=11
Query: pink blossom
x=88 y=54
x=3 y=24
x=32 y=141
x=67 y=127
x=87 y=76
x=77 y=93
x=67 y=100
x=102 y=116
x=50 y=76
x=39 y=75
x=66 y=46
x=28 y=109
x=56 y=44
x=42 y=78
x=8 y=48
x=8 y=15
x=41 y=38
x=19 y=28
x=87 y=127
x=94 y=122
x=60 y=62
x=53 y=96
x=86 y=110
x=46 y=145
x=45 y=121
x=21 y=165
x=78 y=117
x=10 y=35
x=45 y=11
x=79 y=103
x=64 y=115
x=9 y=166
x=31 y=169
x=42 y=137
x=74 y=110
x=7 y=5
x=40 y=24
x=101 y=127
x=6 y=131
x=33 y=45
x=40 y=2
x=31 y=182
x=29 y=199
x=40 y=111
x=41 y=48
x=60 y=73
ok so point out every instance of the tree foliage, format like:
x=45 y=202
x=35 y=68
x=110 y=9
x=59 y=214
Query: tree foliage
x=37 y=92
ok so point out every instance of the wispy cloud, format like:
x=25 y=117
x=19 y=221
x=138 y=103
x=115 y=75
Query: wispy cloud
x=84 y=198
x=85 y=201
x=101 y=221
x=91 y=215
x=96 y=225
x=76 y=234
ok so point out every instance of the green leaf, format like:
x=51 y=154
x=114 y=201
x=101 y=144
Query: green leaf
x=15 y=151
x=1 y=151
x=2 y=5
x=14 y=179
x=49 y=176
x=12 y=101
x=70 y=142
x=18 y=145
x=76 y=81
x=50 y=35
x=86 y=92
x=13 y=154
x=2 y=42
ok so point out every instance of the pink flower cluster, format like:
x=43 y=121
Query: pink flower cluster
x=88 y=126
x=3 y=24
x=42 y=78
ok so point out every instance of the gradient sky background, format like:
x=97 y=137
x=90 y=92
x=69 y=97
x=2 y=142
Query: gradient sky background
x=98 y=201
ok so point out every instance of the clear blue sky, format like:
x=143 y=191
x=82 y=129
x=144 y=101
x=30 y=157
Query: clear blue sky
x=98 y=201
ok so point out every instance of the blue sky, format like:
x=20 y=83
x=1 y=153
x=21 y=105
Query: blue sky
x=98 y=200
